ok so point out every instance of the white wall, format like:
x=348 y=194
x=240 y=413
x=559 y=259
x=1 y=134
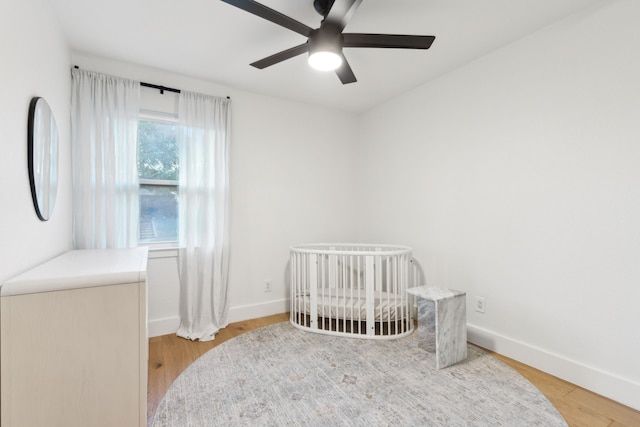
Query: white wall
x=35 y=62
x=291 y=182
x=517 y=178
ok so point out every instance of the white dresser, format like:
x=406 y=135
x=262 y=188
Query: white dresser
x=73 y=342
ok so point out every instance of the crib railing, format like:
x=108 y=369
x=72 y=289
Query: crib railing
x=352 y=289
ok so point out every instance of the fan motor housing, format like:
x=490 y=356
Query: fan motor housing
x=325 y=39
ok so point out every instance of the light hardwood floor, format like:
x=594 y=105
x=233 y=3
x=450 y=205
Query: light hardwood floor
x=170 y=355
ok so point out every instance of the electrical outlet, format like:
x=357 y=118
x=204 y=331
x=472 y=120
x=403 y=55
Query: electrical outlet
x=267 y=285
x=480 y=304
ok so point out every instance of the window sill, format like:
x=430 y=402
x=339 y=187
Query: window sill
x=162 y=250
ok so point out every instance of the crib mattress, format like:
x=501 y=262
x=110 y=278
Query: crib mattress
x=351 y=305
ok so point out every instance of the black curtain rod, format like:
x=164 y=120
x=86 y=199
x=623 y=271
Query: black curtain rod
x=160 y=88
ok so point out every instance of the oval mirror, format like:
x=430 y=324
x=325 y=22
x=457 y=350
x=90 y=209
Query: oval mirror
x=43 y=157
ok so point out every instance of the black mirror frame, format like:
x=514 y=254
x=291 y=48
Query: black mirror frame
x=33 y=105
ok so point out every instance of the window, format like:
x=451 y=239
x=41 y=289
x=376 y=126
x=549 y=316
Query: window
x=158 y=169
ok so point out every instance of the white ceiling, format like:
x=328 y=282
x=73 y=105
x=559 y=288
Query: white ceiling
x=214 y=41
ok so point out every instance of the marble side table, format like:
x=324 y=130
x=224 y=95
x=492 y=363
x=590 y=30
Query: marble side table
x=442 y=323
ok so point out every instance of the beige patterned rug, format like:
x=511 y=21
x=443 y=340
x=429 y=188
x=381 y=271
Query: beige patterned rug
x=281 y=376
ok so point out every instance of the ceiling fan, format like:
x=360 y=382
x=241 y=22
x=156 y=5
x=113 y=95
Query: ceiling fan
x=325 y=44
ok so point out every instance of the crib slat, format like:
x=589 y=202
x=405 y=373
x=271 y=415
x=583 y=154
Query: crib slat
x=313 y=289
x=343 y=274
x=359 y=294
x=352 y=329
x=370 y=283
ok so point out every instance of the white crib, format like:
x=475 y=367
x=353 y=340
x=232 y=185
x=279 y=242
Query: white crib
x=355 y=290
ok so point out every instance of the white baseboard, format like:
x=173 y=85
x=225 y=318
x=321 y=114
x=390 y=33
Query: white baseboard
x=253 y=311
x=158 y=327
x=604 y=383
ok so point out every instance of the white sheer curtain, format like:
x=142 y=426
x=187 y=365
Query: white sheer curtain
x=104 y=129
x=203 y=138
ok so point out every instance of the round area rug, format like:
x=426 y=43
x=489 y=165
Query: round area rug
x=281 y=376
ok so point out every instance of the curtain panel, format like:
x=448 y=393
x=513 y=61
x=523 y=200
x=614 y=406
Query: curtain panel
x=203 y=139
x=104 y=129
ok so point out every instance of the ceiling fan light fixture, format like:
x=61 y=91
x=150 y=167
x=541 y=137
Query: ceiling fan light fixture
x=325 y=43
x=325 y=60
